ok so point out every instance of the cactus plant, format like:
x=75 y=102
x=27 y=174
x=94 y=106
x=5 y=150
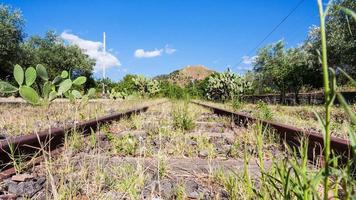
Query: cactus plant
x=113 y=94
x=48 y=89
x=146 y=86
x=226 y=86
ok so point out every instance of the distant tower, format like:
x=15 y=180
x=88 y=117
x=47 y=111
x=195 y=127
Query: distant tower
x=104 y=50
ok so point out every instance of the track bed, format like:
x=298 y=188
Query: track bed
x=172 y=151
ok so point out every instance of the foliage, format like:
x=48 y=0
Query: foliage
x=124 y=145
x=11 y=37
x=146 y=86
x=236 y=104
x=127 y=84
x=50 y=51
x=56 y=56
x=50 y=90
x=289 y=70
x=113 y=94
x=172 y=91
x=263 y=111
x=225 y=86
x=341 y=36
x=283 y=69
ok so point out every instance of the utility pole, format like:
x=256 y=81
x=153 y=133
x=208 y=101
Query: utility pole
x=104 y=67
x=104 y=50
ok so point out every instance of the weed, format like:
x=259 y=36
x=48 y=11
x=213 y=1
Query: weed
x=264 y=112
x=75 y=141
x=182 y=119
x=127 y=180
x=237 y=104
x=123 y=145
x=232 y=183
x=205 y=147
x=179 y=192
x=136 y=121
x=18 y=161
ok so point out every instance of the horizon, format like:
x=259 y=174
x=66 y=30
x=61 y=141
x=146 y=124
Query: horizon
x=154 y=39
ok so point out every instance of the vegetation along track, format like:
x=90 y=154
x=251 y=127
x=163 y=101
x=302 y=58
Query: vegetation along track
x=29 y=145
x=174 y=150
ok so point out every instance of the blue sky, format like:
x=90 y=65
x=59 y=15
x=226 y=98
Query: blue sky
x=170 y=34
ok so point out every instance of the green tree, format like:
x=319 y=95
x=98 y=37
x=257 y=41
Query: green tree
x=286 y=70
x=56 y=56
x=272 y=64
x=127 y=84
x=299 y=71
x=341 y=40
x=11 y=36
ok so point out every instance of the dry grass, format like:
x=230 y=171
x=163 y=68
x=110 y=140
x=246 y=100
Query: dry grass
x=23 y=119
x=300 y=116
x=138 y=156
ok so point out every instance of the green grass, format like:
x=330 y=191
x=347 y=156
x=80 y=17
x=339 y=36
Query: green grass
x=182 y=118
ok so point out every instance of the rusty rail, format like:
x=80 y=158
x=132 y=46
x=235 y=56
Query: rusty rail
x=291 y=135
x=28 y=146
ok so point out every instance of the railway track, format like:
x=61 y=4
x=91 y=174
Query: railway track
x=291 y=135
x=167 y=150
x=171 y=161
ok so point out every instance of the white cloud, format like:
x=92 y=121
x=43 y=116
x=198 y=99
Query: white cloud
x=94 y=50
x=140 y=53
x=169 y=50
x=248 y=60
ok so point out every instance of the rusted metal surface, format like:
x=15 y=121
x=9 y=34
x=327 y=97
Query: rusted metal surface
x=35 y=161
x=315 y=98
x=29 y=145
x=292 y=135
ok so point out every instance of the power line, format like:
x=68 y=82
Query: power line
x=274 y=29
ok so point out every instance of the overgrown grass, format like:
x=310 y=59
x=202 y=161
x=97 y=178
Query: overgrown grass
x=302 y=116
x=18 y=120
x=182 y=118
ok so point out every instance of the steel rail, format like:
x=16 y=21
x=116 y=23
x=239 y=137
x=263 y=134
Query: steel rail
x=292 y=135
x=29 y=146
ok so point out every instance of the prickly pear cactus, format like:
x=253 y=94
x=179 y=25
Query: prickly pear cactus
x=48 y=90
x=146 y=86
x=226 y=86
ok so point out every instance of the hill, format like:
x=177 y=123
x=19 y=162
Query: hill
x=186 y=75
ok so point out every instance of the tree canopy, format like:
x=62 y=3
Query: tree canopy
x=50 y=50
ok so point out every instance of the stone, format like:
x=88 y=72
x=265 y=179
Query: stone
x=27 y=188
x=2 y=137
x=192 y=189
x=21 y=177
x=167 y=191
x=8 y=197
x=203 y=153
